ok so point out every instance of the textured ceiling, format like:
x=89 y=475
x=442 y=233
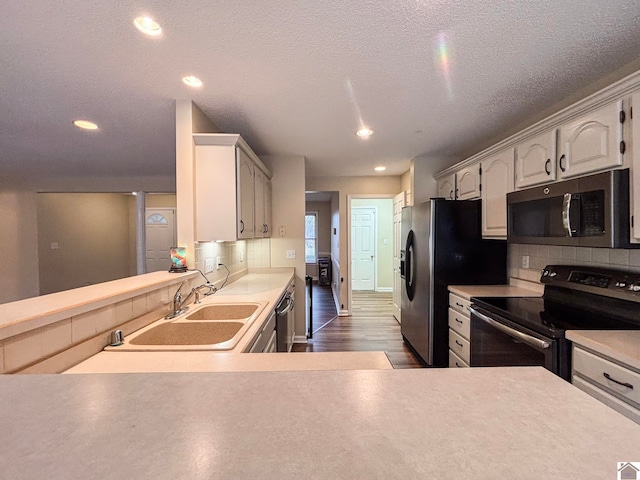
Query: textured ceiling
x=431 y=77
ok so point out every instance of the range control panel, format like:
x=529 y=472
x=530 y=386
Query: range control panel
x=609 y=282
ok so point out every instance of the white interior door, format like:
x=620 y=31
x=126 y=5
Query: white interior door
x=398 y=203
x=160 y=227
x=363 y=248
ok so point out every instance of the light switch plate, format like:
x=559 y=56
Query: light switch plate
x=525 y=261
x=291 y=254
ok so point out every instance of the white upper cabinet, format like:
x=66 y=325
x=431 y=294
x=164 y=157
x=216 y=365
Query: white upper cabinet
x=447 y=187
x=245 y=195
x=268 y=227
x=591 y=142
x=262 y=190
x=225 y=189
x=536 y=160
x=497 y=181
x=468 y=182
x=635 y=170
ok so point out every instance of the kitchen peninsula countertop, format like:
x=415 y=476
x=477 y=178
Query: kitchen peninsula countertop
x=132 y=362
x=480 y=423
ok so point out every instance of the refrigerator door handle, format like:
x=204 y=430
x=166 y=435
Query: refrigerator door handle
x=408 y=274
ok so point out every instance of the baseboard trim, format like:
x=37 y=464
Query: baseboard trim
x=300 y=339
x=343 y=313
x=384 y=289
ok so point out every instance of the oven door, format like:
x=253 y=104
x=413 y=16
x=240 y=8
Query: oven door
x=496 y=342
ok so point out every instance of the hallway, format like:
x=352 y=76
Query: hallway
x=371 y=327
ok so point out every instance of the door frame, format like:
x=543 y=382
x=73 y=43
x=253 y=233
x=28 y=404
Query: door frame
x=352 y=196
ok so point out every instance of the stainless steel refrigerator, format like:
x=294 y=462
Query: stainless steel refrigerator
x=442 y=246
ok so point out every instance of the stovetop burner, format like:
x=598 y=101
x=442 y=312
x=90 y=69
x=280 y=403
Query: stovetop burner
x=575 y=298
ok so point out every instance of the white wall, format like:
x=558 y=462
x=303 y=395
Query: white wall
x=288 y=204
x=346 y=186
x=18 y=244
x=91 y=231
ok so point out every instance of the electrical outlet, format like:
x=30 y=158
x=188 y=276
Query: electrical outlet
x=525 y=261
x=218 y=262
x=291 y=254
x=208 y=265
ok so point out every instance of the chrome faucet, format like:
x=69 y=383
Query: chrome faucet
x=179 y=302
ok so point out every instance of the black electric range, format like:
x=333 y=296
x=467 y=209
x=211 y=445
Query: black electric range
x=531 y=330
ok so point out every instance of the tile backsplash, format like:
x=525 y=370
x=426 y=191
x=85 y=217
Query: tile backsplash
x=543 y=255
x=237 y=256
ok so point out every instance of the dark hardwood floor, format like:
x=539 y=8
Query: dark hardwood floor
x=371 y=327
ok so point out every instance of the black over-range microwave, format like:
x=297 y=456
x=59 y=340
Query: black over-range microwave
x=590 y=211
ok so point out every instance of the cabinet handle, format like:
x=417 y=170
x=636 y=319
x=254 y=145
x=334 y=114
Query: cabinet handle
x=459 y=321
x=562 y=166
x=459 y=304
x=547 y=166
x=608 y=377
x=458 y=365
x=241 y=226
x=459 y=344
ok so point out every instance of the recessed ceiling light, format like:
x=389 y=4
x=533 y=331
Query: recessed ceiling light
x=148 y=26
x=85 y=124
x=192 y=81
x=380 y=169
x=364 y=132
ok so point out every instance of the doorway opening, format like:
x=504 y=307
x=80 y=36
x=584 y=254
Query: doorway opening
x=371 y=251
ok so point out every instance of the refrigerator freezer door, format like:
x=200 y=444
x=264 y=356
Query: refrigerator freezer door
x=416 y=288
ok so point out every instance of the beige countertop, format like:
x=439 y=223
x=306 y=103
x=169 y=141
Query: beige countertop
x=31 y=313
x=483 y=423
x=620 y=345
x=130 y=362
x=468 y=291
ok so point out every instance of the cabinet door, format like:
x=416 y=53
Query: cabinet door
x=635 y=170
x=536 y=160
x=468 y=182
x=267 y=208
x=497 y=171
x=216 y=217
x=245 y=202
x=259 y=185
x=591 y=142
x=447 y=187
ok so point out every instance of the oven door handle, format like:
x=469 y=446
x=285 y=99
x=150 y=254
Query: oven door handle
x=566 y=214
x=528 y=339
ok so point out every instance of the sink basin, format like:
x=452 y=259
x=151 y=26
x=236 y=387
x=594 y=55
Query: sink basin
x=224 y=311
x=198 y=333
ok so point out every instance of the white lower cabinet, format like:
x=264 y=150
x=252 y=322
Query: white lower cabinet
x=459 y=330
x=614 y=384
x=265 y=340
x=455 y=361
